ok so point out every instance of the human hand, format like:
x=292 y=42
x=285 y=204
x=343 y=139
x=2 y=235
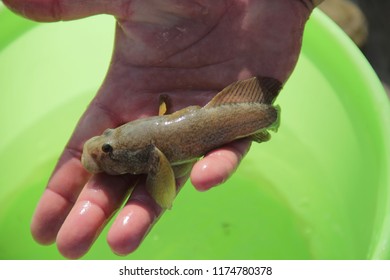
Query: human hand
x=188 y=49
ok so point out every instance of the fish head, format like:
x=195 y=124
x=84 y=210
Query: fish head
x=110 y=154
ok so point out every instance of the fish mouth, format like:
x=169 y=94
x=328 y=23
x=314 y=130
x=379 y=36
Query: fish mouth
x=88 y=160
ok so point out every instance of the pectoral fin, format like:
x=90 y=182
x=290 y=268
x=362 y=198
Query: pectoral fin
x=160 y=182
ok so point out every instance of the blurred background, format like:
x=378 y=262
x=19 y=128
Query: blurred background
x=367 y=23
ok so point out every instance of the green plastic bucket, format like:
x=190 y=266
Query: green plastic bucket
x=318 y=190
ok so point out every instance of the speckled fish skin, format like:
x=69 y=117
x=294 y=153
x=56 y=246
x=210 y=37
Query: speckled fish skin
x=243 y=109
x=182 y=136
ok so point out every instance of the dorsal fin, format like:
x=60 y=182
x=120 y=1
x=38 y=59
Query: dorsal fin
x=256 y=89
x=270 y=87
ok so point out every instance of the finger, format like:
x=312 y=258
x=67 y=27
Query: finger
x=67 y=180
x=58 y=198
x=98 y=201
x=217 y=166
x=135 y=220
x=56 y=10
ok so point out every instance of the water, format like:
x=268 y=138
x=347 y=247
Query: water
x=271 y=208
x=243 y=219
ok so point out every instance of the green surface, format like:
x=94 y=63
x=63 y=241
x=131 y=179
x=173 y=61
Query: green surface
x=318 y=190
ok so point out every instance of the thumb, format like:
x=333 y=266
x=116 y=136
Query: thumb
x=56 y=10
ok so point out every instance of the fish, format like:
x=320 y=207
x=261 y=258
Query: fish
x=164 y=145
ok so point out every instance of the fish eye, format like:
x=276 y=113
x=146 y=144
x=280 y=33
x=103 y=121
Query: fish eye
x=107 y=148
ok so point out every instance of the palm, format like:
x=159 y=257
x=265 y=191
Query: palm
x=186 y=50
x=200 y=52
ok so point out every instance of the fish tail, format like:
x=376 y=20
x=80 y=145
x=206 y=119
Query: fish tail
x=275 y=125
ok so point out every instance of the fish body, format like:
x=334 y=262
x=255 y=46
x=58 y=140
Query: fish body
x=149 y=145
